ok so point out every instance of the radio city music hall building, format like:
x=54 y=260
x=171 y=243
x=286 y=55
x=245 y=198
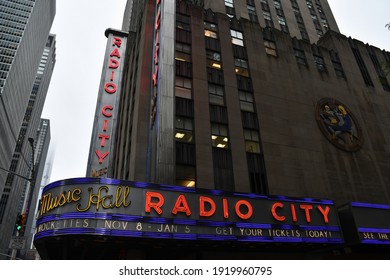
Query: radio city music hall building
x=230 y=129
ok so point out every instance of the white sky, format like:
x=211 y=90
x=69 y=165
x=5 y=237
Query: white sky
x=80 y=25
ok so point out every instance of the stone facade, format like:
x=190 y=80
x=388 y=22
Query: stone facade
x=287 y=82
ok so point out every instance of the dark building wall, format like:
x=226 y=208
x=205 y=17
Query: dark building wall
x=134 y=121
x=204 y=162
x=315 y=15
x=299 y=159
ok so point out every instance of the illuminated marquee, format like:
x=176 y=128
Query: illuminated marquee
x=366 y=223
x=122 y=208
x=107 y=105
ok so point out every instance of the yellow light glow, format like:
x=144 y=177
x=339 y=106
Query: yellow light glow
x=191 y=184
x=221 y=146
x=225 y=139
x=214 y=137
x=216 y=65
x=179 y=135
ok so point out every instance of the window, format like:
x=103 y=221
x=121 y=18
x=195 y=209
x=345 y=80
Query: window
x=183 y=52
x=183 y=26
x=229 y=8
x=267 y=15
x=320 y=63
x=242 y=71
x=184 y=129
x=183 y=68
x=183 y=36
x=268 y=19
x=183 y=48
x=283 y=23
x=213 y=59
x=244 y=83
x=229 y=3
x=210 y=26
x=218 y=114
x=212 y=44
x=216 y=56
x=252 y=13
x=252 y=140
x=296 y=11
x=281 y=20
x=219 y=136
x=211 y=34
x=223 y=169
x=183 y=22
x=304 y=35
x=324 y=23
x=237 y=37
x=270 y=48
x=240 y=63
x=185 y=176
x=257 y=174
x=184 y=107
x=210 y=30
x=300 y=56
x=183 y=87
x=338 y=69
x=241 y=67
x=246 y=101
x=337 y=64
x=216 y=95
x=183 y=56
x=249 y=120
x=215 y=76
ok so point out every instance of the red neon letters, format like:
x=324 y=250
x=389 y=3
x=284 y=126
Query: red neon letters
x=242 y=209
x=207 y=206
x=277 y=211
x=110 y=87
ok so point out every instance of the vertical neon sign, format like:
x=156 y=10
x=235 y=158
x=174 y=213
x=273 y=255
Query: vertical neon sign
x=107 y=105
x=156 y=58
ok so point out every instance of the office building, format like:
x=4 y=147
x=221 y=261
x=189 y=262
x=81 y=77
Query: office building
x=27 y=62
x=244 y=129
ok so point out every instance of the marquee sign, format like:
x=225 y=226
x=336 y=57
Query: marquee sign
x=121 y=208
x=107 y=105
x=366 y=223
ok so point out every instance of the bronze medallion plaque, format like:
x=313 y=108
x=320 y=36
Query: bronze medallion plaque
x=339 y=125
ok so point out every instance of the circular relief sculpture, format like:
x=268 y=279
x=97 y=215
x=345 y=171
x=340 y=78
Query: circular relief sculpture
x=339 y=125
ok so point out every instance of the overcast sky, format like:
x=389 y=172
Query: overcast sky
x=79 y=26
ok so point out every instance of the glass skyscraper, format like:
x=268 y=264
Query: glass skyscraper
x=27 y=58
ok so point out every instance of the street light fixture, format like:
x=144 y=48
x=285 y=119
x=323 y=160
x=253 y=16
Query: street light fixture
x=31 y=141
x=32 y=179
